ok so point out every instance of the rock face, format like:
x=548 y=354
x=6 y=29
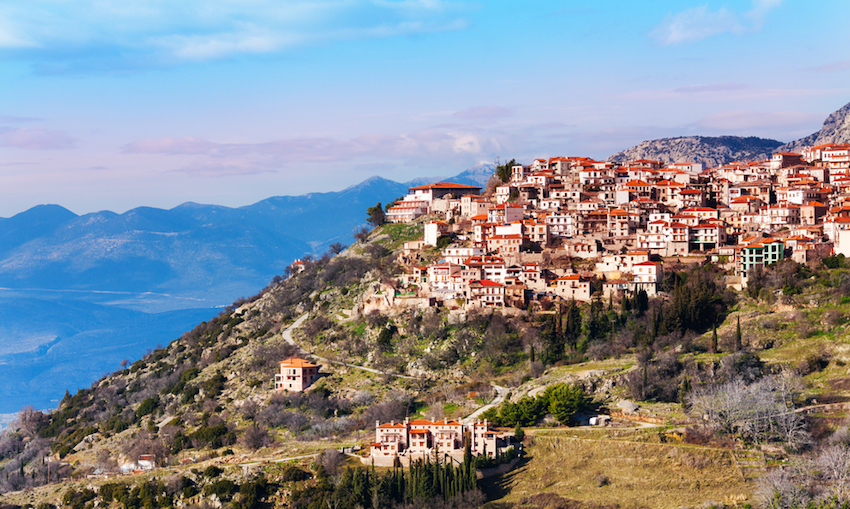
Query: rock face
x=710 y=151
x=836 y=129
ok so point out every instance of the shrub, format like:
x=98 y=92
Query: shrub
x=291 y=473
x=212 y=471
x=223 y=489
x=601 y=479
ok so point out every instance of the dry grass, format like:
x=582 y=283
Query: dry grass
x=637 y=474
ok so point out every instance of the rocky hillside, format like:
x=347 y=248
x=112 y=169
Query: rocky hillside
x=207 y=398
x=708 y=150
x=836 y=129
x=719 y=150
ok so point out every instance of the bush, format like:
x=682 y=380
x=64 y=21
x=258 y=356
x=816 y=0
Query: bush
x=601 y=479
x=291 y=473
x=147 y=407
x=212 y=471
x=223 y=489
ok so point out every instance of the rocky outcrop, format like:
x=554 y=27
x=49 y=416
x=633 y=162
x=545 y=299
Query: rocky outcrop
x=710 y=151
x=836 y=129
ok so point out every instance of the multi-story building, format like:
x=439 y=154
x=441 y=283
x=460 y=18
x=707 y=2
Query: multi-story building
x=410 y=440
x=485 y=293
x=573 y=287
x=295 y=375
x=759 y=254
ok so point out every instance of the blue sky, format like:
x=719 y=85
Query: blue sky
x=113 y=105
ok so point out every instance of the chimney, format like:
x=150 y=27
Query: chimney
x=377 y=423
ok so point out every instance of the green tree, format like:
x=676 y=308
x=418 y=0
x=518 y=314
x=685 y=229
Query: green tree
x=375 y=215
x=714 y=339
x=738 y=336
x=519 y=433
x=572 y=324
x=504 y=171
x=565 y=400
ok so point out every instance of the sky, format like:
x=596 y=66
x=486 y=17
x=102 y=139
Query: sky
x=109 y=105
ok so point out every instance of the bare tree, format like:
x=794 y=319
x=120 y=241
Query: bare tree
x=757 y=411
x=29 y=419
x=834 y=462
x=331 y=460
x=782 y=489
x=336 y=248
x=256 y=437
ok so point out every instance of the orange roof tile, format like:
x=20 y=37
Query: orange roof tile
x=296 y=362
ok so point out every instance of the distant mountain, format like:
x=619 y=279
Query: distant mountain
x=201 y=251
x=477 y=175
x=710 y=151
x=80 y=293
x=836 y=129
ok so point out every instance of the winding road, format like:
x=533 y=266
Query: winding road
x=501 y=392
x=287 y=336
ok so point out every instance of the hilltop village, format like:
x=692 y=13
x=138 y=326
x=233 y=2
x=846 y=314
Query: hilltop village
x=616 y=225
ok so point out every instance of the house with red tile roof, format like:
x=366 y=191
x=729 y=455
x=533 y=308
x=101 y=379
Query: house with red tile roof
x=295 y=375
x=485 y=293
x=422 y=438
x=573 y=287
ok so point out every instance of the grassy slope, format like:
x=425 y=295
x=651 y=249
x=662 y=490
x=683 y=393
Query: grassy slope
x=639 y=474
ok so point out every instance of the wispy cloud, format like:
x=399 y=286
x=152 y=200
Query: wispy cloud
x=11 y=119
x=701 y=22
x=92 y=34
x=753 y=122
x=214 y=169
x=725 y=92
x=483 y=112
x=223 y=159
x=844 y=65
x=36 y=139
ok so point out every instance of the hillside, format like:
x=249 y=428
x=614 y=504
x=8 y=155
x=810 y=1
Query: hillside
x=208 y=395
x=836 y=129
x=710 y=151
x=82 y=293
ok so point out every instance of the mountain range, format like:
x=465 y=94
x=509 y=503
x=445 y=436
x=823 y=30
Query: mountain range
x=80 y=293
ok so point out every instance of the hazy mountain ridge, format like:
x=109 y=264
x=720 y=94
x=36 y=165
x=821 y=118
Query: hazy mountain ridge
x=92 y=289
x=707 y=150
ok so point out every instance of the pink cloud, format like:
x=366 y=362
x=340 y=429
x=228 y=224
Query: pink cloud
x=753 y=121
x=483 y=112
x=239 y=158
x=844 y=65
x=36 y=139
x=215 y=169
x=173 y=146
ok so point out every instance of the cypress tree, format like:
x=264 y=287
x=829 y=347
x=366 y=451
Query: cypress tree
x=738 y=337
x=714 y=339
